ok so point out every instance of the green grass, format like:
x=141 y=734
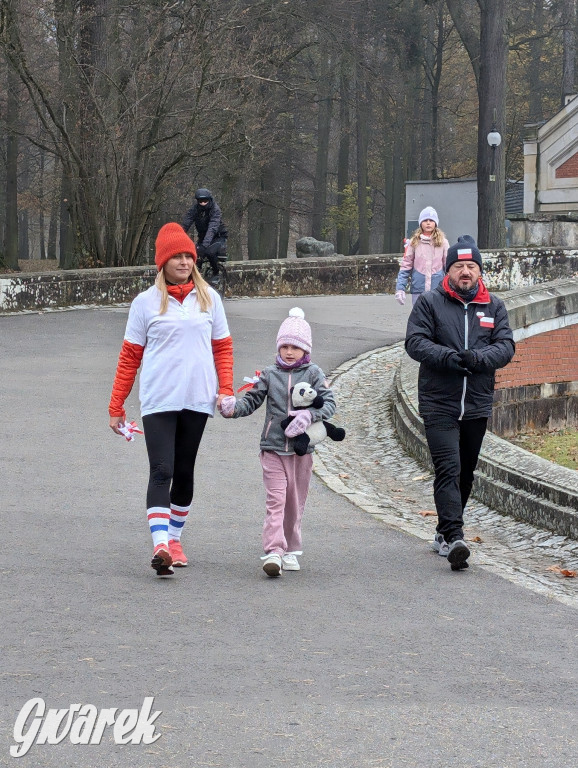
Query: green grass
x=560 y=447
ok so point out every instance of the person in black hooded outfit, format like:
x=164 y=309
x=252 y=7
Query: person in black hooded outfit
x=206 y=217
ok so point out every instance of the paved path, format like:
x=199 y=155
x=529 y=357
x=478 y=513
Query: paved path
x=374 y=655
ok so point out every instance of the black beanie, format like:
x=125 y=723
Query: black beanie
x=464 y=250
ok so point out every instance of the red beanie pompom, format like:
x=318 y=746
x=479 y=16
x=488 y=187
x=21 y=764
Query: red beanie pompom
x=172 y=240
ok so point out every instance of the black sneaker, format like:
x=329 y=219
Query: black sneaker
x=458 y=554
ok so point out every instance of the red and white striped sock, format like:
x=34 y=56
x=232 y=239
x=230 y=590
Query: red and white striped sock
x=158 y=518
x=177 y=521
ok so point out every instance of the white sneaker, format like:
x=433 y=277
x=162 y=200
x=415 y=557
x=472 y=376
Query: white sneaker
x=290 y=562
x=440 y=545
x=272 y=565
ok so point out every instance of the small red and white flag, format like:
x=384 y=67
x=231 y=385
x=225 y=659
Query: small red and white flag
x=251 y=381
x=487 y=322
x=129 y=430
x=465 y=254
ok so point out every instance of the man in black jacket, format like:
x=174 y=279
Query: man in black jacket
x=460 y=335
x=205 y=214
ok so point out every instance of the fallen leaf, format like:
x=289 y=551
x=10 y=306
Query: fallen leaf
x=427 y=513
x=563 y=571
x=343 y=474
x=477 y=539
x=420 y=477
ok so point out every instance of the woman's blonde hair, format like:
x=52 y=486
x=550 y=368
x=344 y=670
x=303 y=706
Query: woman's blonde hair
x=203 y=295
x=437 y=237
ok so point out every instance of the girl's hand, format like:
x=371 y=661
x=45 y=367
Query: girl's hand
x=115 y=422
x=299 y=424
x=400 y=297
x=226 y=405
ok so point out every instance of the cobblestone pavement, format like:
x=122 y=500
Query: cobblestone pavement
x=372 y=470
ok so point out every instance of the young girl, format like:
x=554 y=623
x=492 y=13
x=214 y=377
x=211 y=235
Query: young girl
x=424 y=258
x=286 y=476
x=179 y=330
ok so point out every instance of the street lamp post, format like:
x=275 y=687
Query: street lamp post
x=494 y=140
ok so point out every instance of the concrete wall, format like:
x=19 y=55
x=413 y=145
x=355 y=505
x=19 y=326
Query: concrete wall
x=504 y=270
x=544 y=230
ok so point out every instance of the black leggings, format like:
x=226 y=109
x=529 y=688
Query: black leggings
x=172 y=440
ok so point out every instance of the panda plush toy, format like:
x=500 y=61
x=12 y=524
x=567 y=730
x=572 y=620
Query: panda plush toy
x=304 y=396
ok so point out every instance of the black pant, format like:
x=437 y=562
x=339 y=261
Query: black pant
x=172 y=440
x=211 y=252
x=454 y=447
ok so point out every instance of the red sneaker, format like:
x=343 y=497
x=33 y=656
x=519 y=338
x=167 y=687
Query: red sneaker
x=162 y=561
x=178 y=556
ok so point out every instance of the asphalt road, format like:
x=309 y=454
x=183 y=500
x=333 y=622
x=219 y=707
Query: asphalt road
x=372 y=656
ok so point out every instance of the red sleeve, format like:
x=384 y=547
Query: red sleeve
x=128 y=364
x=223 y=357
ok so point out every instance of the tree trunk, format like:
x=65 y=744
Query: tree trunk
x=68 y=251
x=427 y=165
x=535 y=112
x=232 y=207
x=66 y=243
x=254 y=228
x=436 y=78
x=11 y=231
x=342 y=242
x=269 y=237
x=492 y=107
x=286 y=196
x=54 y=209
x=41 y=224
x=23 y=217
x=465 y=15
x=394 y=205
x=569 y=42
x=362 y=120
x=322 y=159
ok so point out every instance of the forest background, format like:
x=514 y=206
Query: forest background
x=304 y=117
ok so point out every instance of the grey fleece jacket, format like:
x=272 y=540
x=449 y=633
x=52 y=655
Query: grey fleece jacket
x=275 y=384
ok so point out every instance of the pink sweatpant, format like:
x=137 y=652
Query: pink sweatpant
x=286 y=480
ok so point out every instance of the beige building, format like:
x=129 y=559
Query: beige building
x=551 y=163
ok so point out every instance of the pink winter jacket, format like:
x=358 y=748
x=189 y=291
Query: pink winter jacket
x=424 y=264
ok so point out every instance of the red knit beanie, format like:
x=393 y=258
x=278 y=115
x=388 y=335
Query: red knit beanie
x=172 y=240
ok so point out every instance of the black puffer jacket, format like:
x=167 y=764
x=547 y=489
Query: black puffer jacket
x=441 y=324
x=208 y=222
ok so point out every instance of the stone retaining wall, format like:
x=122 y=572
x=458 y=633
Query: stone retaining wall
x=509 y=479
x=504 y=270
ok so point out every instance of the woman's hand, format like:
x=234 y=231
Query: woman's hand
x=226 y=405
x=115 y=422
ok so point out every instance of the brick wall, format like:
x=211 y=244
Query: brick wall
x=545 y=358
x=568 y=169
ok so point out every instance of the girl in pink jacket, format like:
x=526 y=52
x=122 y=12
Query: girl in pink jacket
x=424 y=259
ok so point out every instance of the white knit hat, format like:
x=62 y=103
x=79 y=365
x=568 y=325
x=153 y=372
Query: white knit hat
x=295 y=330
x=429 y=213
